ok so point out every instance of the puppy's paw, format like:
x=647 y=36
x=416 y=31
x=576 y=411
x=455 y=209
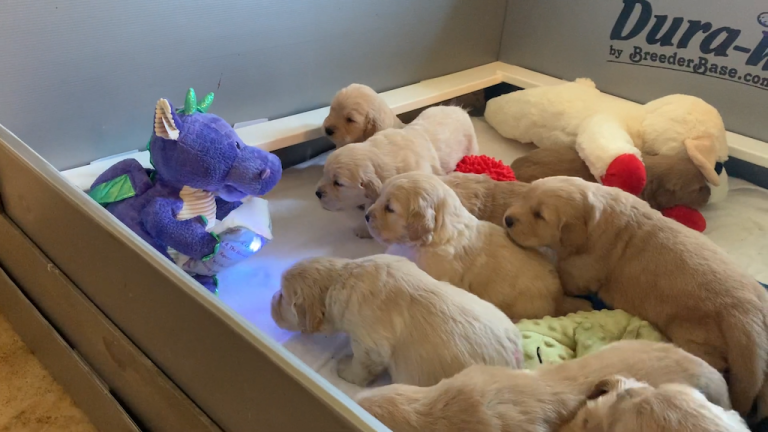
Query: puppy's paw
x=351 y=372
x=362 y=232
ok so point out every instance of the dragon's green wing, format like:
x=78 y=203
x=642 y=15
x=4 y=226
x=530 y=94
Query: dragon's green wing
x=112 y=191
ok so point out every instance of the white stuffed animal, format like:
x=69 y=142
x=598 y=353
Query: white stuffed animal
x=610 y=133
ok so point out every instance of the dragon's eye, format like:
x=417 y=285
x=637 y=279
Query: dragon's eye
x=237 y=144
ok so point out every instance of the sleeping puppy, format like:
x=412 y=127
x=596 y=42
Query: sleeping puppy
x=672 y=180
x=613 y=244
x=398 y=319
x=421 y=218
x=627 y=405
x=434 y=143
x=357 y=113
x=484 y=398
x=485 y=198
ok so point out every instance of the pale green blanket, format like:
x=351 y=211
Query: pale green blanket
x=554 y=340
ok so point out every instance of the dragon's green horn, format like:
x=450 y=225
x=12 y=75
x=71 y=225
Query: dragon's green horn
x=206 y=103
x=190 y=103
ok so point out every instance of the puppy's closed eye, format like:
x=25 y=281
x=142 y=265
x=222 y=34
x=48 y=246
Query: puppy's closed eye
x=537 y=214
x=336 y=183
x=389 y=209
x=350 y=120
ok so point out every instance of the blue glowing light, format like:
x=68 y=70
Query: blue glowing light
x=256 y=244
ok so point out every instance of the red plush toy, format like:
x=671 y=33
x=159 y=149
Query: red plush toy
x=687 y=216
x=481 y=164
x=497 y=170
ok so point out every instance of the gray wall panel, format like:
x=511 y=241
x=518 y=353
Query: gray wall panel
x=79 y=79
x=570 y=39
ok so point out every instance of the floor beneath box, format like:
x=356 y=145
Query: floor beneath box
x=302 y=229
x=30 y=400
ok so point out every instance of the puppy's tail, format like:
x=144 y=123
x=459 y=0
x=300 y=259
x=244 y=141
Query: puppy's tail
x=747 y=353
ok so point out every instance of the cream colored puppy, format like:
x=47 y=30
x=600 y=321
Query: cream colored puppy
x=353 y=174
x=433 y=143
x=357 y=113
x=613 y=244
x=451 y=132
x=627 y=405
x=398 y=319
x=422 y=219
x=485 y=198
x=484 y=398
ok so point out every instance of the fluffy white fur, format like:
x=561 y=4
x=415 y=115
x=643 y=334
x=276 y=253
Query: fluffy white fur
x=433 y=143
x=422 y=219
x=484 y=398
x=357 y=113
x=602 y=127
x=628 y=405
x=398 y=319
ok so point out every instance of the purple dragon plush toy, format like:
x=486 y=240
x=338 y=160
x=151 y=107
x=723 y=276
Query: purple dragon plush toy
x=193 y=152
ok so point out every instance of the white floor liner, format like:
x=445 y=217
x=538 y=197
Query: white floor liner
x=303 y=229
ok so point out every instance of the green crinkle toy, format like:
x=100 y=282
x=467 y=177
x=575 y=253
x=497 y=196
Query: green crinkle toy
x=555 y=340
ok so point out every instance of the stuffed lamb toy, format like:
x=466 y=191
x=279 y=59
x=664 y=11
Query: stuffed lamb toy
x=610 y=134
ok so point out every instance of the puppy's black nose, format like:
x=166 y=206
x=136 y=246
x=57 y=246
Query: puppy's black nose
x=367 y=217
x=329 y=131
x=319 y=194
x=508 y=221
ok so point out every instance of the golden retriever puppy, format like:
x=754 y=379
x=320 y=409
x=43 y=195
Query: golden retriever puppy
x=434 y=143
x=357 y=113
x=613 y=244
x=484 y=197
x=397 y=317
x=485 y=398
x=672 y=180
x=451 y=132
x=421 y=218
x=626 y=405
x=353 y=174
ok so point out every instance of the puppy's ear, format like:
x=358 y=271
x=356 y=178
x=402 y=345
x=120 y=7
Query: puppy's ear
x=574 y=213
x=379 y=117
x=421 y=224
x=310 y=314
x=605 y=386
x=371 y=185
x=573 y=230
x=373 y=124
